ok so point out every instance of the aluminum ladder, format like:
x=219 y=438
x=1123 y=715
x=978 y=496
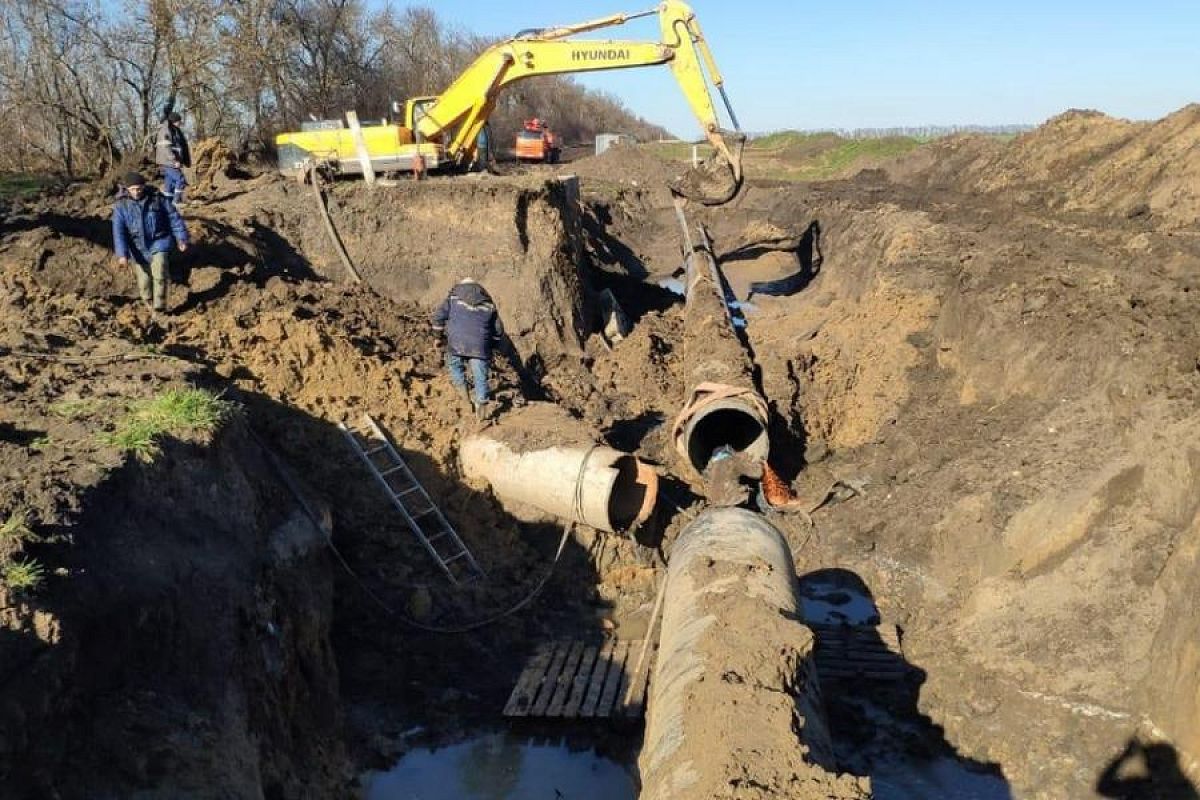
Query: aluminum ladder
x=423 y=516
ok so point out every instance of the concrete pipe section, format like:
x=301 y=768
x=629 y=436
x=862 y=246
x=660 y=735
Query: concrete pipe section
x=723 y=408
x=540 y=461
x=737 y=422
x=734 y=706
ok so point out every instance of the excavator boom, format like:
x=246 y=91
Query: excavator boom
x=461 y=110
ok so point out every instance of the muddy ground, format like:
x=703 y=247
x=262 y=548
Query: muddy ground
x=994 y=342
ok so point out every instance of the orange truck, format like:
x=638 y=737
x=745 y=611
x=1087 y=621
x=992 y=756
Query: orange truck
x=536 y=142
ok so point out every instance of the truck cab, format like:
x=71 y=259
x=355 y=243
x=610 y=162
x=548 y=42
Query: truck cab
x=536 y=142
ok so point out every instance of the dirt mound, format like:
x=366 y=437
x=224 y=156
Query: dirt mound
x=213 y=166
x=1155 y=171
x=623 y=165
x=1077 y=161
x=1056 y=152
x=944 y=164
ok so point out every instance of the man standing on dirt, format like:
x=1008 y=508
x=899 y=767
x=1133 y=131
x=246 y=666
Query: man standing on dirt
x=472 y=327
x=145 y=223
x=172 y=154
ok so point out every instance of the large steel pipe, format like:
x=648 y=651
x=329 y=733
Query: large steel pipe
x=714 y=356
x=734 y=700
x=539 y=461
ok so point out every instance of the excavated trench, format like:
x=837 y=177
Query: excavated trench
x=954 y=405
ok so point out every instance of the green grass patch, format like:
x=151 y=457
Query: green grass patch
x=76 y=409
x=22 y=184
x=677 y=151
x=782 y=140
x=22 y=576
x=796 y=156
x=854 y=151
x=15 y=529
x=173 y=412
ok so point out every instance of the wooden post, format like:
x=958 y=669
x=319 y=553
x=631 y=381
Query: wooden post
x=360 y=144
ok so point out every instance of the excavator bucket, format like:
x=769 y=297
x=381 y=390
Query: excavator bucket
x=717 y=179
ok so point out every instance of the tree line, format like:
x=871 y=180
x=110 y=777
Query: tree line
x=84 y=85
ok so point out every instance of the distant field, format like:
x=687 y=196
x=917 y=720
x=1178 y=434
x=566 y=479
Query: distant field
x=18 y=184
x=791 y=155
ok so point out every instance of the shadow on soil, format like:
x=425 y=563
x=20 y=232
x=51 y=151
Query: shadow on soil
x=871 y=693
x=252 y=257
x=409 y=675
x=90 y=228
x=199 y=575
x=604 y=247
x=167 y=631
x=1146 y=771
x=807 y=252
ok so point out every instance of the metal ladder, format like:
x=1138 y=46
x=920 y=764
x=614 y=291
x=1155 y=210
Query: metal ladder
x=423 y=516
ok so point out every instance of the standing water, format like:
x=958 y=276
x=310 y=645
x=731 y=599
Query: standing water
x=501 y=766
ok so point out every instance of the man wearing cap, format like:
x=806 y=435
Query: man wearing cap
x=172 y=154
x=145 y=224
x=472 y=327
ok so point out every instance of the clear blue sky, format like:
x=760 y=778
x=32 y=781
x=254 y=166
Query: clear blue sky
x=882 y=63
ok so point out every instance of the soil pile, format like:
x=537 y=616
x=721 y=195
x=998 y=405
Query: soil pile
x=213 y=167
x=625 y=164
x=1077 y=161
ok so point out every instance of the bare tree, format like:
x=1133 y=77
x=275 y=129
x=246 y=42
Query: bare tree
x=84 y=85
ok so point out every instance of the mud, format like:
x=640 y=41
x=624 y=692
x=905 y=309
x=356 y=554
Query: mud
x=995 y=341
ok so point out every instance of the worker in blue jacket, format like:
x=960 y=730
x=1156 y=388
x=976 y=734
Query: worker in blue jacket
x=472 y=327
x=145 y=225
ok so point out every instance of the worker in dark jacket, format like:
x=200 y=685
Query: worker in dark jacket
x=145 y=225
x=172 y=154
x=472 y=327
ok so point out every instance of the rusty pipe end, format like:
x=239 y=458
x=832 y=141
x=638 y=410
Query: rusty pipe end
x=732 y=421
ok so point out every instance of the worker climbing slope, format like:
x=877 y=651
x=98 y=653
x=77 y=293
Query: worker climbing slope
x=472 y=327
x=145 y=224
x=172 y=153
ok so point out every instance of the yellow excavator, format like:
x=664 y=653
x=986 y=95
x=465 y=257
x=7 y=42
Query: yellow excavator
x=442 y=132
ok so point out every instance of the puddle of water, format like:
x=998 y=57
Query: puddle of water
x=941 y=779
x=673 y=285
x=829 y=604
x=501 y=766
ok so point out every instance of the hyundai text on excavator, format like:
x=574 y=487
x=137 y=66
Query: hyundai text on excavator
x=443 y=130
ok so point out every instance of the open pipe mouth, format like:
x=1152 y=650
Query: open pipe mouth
x=730 y=422
x=633 y=493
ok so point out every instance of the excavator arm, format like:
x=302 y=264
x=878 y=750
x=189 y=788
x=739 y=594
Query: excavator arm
x=461 y=110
